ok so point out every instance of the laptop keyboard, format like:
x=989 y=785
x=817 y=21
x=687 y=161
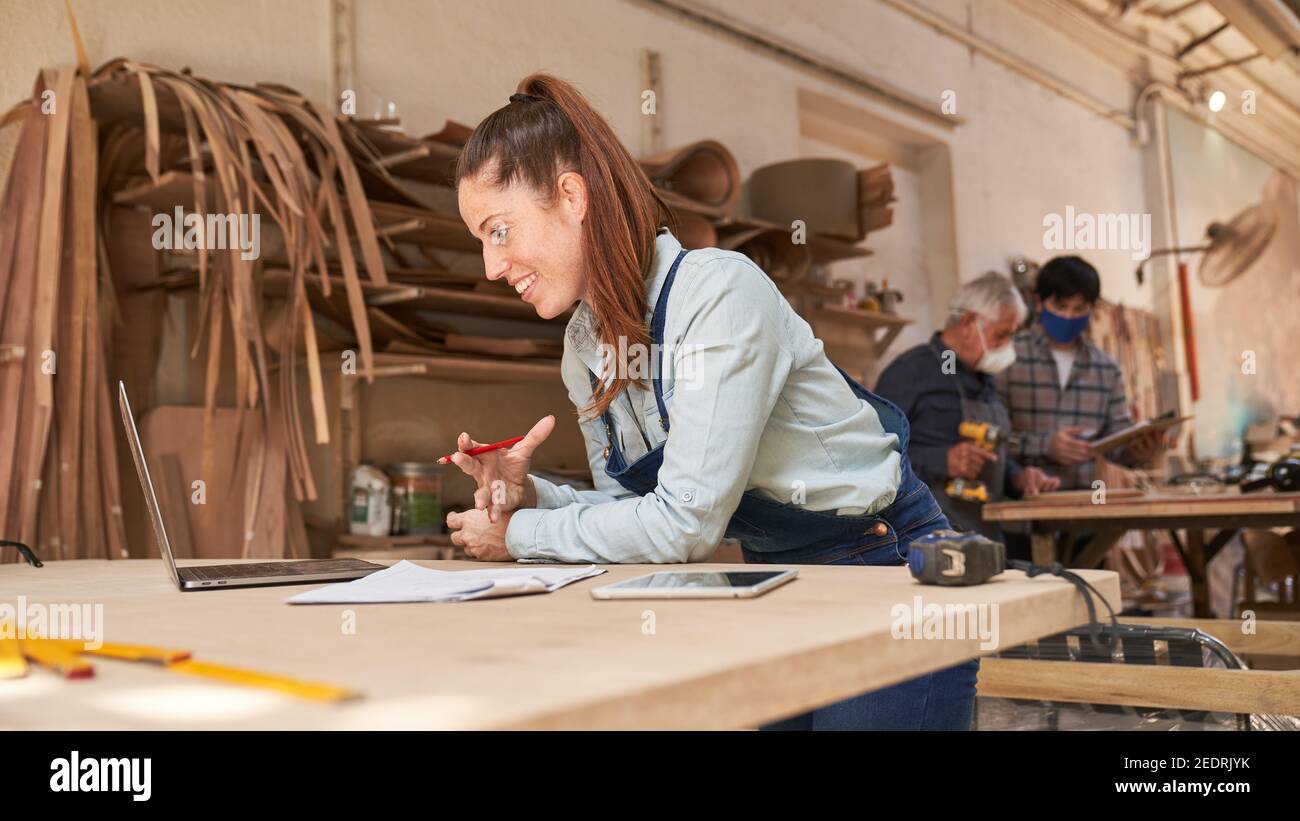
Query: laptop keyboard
x=256 y=570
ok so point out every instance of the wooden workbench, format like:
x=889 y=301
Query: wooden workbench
x=558 y=660
x=1210 y=521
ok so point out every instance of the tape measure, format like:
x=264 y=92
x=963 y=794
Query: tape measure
x=952 y=559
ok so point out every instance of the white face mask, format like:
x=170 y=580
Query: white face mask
x=997 y=359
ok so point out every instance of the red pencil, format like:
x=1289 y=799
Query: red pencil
x=504 y=443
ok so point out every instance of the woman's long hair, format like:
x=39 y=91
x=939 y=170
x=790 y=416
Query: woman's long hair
x=533 y=141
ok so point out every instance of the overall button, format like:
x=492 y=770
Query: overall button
x=880 y=529
x=606 y=453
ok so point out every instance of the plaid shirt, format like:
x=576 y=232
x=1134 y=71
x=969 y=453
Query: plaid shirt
x=1039 y=407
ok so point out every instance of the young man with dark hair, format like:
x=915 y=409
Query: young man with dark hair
x=1063 y=390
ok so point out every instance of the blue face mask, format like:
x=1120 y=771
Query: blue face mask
x=1061 y=329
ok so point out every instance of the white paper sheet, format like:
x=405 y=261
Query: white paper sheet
x=407 y=582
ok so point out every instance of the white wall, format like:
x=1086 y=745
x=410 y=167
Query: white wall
x=1252 y=319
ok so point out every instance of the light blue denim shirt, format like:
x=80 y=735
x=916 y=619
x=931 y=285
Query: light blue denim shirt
x=754 y=404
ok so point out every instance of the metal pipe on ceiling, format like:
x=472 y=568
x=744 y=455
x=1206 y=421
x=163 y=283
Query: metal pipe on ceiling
x=846 y=75
x=1005 y=58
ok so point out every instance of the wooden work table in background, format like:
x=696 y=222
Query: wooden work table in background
x=557 y=660
x=1210 y=521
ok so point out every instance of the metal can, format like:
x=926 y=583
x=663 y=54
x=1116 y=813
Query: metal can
x=399 y=511
x=422 y=482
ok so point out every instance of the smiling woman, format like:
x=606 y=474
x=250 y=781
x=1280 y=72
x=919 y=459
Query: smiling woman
x=745 y=429
x=564 y=212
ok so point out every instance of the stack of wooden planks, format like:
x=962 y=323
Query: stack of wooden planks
x=58 y=466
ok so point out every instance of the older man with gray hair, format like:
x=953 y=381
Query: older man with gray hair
x=959 y=424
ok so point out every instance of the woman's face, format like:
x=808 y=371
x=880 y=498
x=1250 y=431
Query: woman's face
x=535 y=245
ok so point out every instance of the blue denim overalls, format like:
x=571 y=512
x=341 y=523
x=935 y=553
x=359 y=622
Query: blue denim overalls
x=775 y=533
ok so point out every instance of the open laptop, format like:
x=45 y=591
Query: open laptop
x=216 y=576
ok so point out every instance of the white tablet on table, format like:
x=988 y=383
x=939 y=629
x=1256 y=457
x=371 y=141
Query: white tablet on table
x=695 y=584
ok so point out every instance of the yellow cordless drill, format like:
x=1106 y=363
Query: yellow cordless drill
x=988 y=436
x=985 y=434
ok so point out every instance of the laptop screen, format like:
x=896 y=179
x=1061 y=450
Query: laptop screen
x=146 y=484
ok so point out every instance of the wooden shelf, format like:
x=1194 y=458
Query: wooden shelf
x=467 y=367
x=855 y=338
x=172 y=189
x=453 y=367
x=415 y=158
x=857 y=316
x=824 y=249
x=350 y=540
x=816 y=290
x=403 y=297
x=404 y=223
x=422 y=227
x=412 y=547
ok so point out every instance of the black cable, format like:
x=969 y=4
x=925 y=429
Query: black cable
x=25 y=550
x=1094 y=627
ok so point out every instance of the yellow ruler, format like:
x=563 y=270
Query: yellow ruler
x=138 y=652
x=57 y=657
x=124 y=652
x=312 y=690
x=12 y=662
x=63 y=657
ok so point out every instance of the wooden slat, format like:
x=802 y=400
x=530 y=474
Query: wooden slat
x=424 y=159
x=1270 y=638
x=320 y=416
x=1143 y=685
x=172 y=189
x=1152 y=505
x=455 y=368
x=80 y=527
x=424 y=227
x=351 y=281
x=19 y=234
x=411 y=298
x=49 y=255
x=357 y=206
x=264 y=523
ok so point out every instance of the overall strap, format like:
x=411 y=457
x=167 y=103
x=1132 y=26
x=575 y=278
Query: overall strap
x=657 y=321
